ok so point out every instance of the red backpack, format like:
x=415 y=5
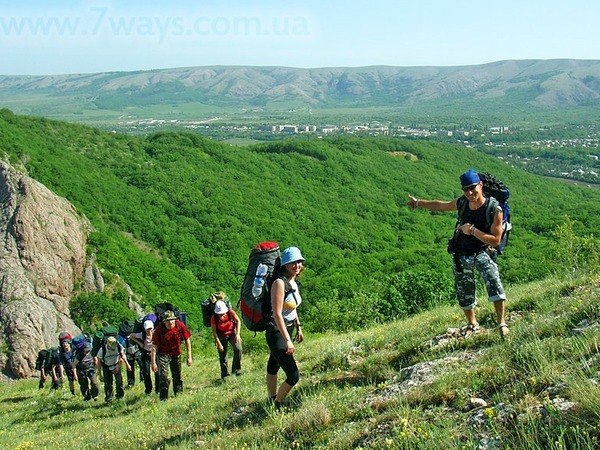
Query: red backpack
x=254 y=303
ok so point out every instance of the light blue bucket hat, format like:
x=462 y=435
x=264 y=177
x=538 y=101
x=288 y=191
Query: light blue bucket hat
x=290 y=255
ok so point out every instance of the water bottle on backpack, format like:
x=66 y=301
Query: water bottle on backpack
x=259 y=279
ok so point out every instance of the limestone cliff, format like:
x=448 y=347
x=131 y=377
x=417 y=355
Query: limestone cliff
x=42 y=255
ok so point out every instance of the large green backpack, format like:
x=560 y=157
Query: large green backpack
x=100 y=337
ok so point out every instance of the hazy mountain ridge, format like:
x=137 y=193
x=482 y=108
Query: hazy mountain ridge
x=542 y=83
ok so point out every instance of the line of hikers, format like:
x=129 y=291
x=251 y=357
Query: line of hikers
x=156 y=351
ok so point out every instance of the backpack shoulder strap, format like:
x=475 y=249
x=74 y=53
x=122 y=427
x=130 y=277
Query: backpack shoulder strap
x=287 y=287
x=490 y=211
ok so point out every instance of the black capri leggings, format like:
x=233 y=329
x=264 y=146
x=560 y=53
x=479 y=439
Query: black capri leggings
x=278 y=359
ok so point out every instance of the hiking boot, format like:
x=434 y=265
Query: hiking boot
x=504 y=331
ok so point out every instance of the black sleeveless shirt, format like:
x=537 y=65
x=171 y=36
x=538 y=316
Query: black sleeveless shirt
x=467 y=244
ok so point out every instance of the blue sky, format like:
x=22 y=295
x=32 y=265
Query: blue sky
x=123 y=35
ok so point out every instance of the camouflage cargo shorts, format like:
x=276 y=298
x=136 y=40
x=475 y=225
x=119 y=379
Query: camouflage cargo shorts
x=465 y=282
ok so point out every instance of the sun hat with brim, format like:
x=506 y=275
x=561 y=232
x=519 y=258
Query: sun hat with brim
x=169 y=315
x=290 y=255
x=221 y=307
x=469 y=178
x=111 y=342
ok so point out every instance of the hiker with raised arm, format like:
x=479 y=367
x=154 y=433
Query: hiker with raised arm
x=475 y=235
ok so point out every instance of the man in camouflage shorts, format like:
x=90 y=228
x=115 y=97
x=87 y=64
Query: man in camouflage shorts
x=472 y=239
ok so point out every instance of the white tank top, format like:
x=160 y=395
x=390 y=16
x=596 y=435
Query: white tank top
x=291 y=301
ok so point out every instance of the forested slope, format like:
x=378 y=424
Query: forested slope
x=176 y=214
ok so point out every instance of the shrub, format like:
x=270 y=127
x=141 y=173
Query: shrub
x=573 y=253
x=89 y=310
x=409 y=292
x=356 y=311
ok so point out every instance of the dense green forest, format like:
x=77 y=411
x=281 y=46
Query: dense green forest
x=175 y=214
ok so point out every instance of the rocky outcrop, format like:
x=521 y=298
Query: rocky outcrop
x=42 y=255
x=92 y=279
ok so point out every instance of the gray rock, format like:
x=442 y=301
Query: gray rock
x=476 y=403
x=42 y=254
x=422 y=374
x=562 y=404
x=586 y=325
x=92 y=278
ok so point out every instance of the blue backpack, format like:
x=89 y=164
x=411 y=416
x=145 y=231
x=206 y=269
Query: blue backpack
x=79 y=341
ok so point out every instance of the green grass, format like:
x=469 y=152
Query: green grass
x=240 y=142
x=349 y=396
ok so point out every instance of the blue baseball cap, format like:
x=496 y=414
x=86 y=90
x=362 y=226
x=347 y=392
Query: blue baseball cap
x=469 y=178
x=290 y=255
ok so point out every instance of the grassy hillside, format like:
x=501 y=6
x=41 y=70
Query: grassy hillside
x=176 y=214
x=390 y=386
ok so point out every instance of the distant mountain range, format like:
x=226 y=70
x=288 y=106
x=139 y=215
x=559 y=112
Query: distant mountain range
x=549 y=84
